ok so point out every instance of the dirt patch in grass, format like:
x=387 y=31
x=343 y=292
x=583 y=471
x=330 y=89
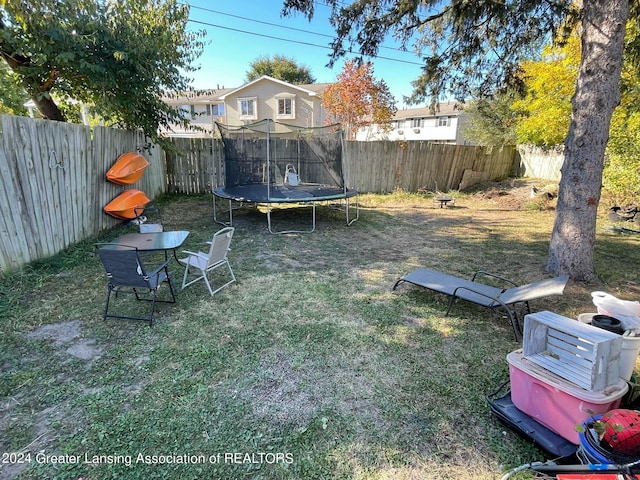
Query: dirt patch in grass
x=291 y=388
x=70 y=336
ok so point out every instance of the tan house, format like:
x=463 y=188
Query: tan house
x=263 y=98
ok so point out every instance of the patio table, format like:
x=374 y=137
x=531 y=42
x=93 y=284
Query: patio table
x=151 y=242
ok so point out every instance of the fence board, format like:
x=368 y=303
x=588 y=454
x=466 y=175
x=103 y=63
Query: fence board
x=12 y=234
x=192 y=166
x=54 y=187
x=540 y=162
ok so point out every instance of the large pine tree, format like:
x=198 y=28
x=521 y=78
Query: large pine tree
x=469 y=45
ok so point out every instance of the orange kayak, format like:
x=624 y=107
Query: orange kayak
x=128 y=169
x=127 y=205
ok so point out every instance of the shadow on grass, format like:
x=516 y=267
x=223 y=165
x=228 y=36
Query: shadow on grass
x=310 y=363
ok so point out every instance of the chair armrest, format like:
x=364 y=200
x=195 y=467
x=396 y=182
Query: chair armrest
x=197 y=254
x=477 y=292
x=158 y=269
x=513 y=315
x=493 y=275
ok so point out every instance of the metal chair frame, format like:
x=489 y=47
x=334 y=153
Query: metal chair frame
x=127 y=274
x=149 y=227
x=206 y=263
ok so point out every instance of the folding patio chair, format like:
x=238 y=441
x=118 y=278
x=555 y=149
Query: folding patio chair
x=500 y=300
x=204 y=263
x=127 y=274
x=149 y=219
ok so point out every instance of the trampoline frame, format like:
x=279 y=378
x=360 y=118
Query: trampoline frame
x=240 y=201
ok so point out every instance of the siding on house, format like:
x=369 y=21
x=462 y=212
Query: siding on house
x=441 y=126
x=263 y=93
x=202 y=107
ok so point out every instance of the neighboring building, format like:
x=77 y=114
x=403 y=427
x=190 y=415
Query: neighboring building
x=203 y=107
x=263 y=98
x=442 y=126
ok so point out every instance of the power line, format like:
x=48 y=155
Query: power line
x=286 y=27
x=263 y=35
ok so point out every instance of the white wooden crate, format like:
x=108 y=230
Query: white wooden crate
x=585 y=355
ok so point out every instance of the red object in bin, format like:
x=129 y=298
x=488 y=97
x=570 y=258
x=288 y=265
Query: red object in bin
x=622 y=430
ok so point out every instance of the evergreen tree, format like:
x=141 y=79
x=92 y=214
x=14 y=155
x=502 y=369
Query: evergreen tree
x=469 y=45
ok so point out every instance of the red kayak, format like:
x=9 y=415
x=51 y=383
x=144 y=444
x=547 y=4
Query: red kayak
x=128 y=169
x=127 y=205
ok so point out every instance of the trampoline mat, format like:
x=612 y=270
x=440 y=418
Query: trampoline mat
x=259 y=193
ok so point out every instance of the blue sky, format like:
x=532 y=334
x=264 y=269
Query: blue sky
x=240 y=31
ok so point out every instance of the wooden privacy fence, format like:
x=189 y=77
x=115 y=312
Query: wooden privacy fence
x=385 y=166
x=54 y=187
x=194 y=165
x=538 y=162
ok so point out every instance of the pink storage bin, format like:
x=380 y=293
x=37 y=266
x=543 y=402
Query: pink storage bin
x=554 y=402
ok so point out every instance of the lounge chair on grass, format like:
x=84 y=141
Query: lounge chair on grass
x=501 y=300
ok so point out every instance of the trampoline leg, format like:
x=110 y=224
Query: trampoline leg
x=313 y=221
x=350 y=221
x=215 y=218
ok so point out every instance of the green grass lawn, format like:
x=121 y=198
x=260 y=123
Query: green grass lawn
x=309 y=367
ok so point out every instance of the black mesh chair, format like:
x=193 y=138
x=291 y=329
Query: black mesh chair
x=127 y=274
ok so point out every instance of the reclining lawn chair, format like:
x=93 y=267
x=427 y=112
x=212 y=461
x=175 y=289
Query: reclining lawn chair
x=500 y=300
x=127 y=274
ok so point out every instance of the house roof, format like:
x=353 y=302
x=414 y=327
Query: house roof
x=196 y=96
x=310 y=89
x=218 y=95
x=442 y=110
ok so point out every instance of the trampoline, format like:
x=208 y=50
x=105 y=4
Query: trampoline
x=270 y=163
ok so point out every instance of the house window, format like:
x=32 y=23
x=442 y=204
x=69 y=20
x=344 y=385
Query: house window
x=192 y=111
x=185 y=111
x=444 y=121
x=286 y=107
x=217 y=109
x=247 y=107
x=417 y=122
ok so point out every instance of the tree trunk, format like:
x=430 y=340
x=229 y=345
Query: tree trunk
x=46 y=106
x=597 y=95
x=48 y=109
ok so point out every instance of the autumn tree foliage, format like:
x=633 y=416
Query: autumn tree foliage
x=545 y=110
x=357 y=99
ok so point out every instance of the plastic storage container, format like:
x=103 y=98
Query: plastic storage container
x=556 y=403
x=630 y=349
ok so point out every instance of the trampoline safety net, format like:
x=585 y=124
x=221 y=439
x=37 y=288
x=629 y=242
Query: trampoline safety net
x=273 y=153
